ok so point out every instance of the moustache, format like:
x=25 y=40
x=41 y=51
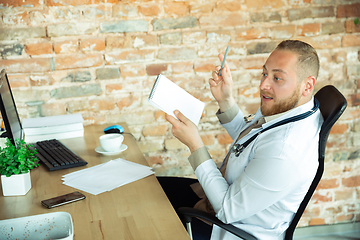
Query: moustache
x=264 y=93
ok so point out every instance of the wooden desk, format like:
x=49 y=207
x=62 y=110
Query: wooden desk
x=139 y=210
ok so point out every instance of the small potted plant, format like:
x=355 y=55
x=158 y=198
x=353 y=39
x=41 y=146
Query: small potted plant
x=15 y=165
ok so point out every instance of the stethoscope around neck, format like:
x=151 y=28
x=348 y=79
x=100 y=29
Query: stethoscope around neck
x=239 y=148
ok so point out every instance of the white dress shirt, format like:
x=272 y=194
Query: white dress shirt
x=265 y=185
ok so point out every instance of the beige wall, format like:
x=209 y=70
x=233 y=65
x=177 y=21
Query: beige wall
x=100 y=58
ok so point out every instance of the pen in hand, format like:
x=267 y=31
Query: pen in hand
x=223 y=62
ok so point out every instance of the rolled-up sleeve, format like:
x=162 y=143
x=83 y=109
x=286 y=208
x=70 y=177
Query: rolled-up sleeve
x=201 y=155
x=198 y=157
x=229 y=115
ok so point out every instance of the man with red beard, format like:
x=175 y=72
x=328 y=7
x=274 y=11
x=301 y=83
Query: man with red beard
x=262 y=183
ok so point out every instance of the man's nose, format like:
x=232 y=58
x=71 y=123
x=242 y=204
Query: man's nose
x=265 y=83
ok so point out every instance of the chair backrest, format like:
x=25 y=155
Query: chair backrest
x=332 y=105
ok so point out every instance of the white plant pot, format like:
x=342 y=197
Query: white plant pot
x=15 y=185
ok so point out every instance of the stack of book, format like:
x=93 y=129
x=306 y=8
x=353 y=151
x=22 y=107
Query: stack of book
x=53 y=127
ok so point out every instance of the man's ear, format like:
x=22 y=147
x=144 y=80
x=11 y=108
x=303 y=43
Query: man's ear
x=308 y=87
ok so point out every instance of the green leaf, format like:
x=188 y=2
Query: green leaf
x=16 y=160
x=356 y=21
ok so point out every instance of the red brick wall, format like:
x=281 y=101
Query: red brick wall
x=100 y=58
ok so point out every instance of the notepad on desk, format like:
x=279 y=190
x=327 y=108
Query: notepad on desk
x=168 y=97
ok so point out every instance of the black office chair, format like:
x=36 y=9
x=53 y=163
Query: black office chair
x=332 y=105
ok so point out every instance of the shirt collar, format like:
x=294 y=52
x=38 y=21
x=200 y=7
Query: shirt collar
x=272 y=117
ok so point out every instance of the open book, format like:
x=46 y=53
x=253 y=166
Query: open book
x=168 y=97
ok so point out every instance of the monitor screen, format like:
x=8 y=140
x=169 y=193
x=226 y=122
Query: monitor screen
x=8 y=110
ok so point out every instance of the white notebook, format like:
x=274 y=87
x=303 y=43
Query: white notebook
x=168 y=97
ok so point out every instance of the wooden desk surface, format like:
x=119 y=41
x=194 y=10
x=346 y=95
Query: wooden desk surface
x=139 y=210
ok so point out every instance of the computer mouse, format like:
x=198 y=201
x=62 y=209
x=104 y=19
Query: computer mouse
x=114 y=129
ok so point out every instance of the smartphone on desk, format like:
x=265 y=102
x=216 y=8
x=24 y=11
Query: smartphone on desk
x=63 y=199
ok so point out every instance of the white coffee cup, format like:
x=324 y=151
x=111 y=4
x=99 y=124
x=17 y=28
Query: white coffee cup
x=111 y=142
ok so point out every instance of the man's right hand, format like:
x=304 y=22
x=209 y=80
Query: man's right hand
x=185 y=130
x=221 y=87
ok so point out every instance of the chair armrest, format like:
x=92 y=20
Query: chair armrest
x=188 y=213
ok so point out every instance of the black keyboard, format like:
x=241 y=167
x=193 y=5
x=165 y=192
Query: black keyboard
x=56 y=155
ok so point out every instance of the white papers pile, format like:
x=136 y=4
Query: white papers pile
x=59 y=127
x=107 y=176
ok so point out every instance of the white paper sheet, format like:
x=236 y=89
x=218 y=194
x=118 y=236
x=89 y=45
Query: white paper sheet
x=168 y=97
x=107 y=176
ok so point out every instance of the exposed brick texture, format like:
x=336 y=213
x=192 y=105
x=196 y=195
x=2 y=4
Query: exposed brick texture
x=155 y=69
x=26 y=65
x=101 y=58
x=22 y=33
x=19 y=3
x=149 y=9
x=310 y=29
x=39 y=48
x=92 y=44
x=78 y=61
x=66 y=46
x=349 y=10
x=311 y=12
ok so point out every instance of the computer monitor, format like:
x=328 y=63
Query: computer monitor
x=8 y=110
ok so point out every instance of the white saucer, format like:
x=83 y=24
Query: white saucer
x=122 y=148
